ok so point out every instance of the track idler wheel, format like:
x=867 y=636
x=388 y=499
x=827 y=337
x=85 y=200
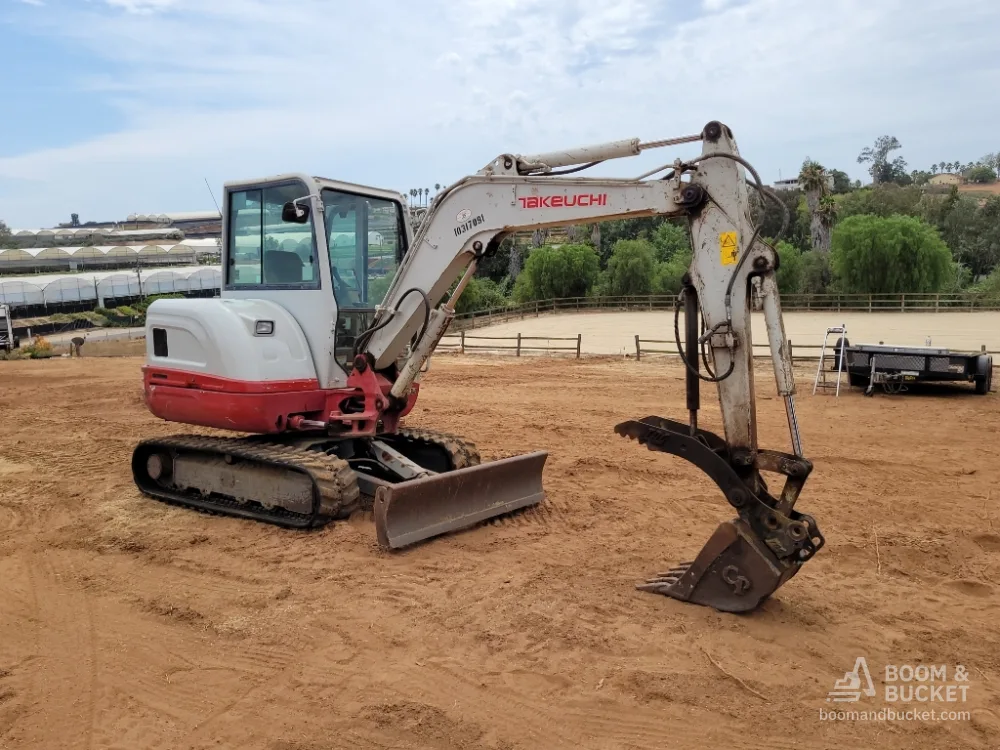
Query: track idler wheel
x=732 y=573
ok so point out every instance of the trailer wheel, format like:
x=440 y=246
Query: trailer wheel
x=984 y=376
x=983 y=384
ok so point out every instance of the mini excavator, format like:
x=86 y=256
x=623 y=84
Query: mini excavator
x=332 y=303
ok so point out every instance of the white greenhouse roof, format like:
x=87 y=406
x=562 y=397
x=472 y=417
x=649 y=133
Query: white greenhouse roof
x=78 y=287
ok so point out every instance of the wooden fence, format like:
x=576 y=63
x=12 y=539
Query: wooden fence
x=957 y=302
x=465 y=344
x=665 y=347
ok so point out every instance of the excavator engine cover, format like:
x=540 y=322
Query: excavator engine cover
x=418 y=509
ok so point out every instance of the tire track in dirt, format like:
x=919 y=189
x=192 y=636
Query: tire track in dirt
x=22 y=692
x=62 y=692
x=439 y=685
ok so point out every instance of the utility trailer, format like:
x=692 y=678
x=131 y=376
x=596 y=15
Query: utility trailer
x=8 y=340
x=894 y=367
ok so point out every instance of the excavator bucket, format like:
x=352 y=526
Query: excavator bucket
x=734 y=572
x=417 y=509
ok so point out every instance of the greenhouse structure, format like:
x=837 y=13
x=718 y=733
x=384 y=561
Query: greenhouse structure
x=50 y=293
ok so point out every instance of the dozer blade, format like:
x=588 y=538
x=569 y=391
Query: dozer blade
x=418 y=509
x=734 y=572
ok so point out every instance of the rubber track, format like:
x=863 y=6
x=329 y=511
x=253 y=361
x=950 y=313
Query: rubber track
x=463 y=452
x=333 y=477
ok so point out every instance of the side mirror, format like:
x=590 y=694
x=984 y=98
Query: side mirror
x=294 y=213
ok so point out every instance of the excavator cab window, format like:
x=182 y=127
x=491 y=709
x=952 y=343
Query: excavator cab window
x=365 y=239
x=265 y=251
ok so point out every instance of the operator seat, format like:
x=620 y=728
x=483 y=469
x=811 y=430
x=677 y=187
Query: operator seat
x=282 y=267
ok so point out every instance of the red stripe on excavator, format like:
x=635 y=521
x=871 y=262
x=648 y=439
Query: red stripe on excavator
x=243 y=406
x=266 y=406
x=187 y=379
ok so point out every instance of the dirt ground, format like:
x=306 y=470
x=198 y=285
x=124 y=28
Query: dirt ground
x=126 y=623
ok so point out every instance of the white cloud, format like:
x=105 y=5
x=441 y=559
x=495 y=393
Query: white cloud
x=36 y=3
x=141 y=6
x=405 y=94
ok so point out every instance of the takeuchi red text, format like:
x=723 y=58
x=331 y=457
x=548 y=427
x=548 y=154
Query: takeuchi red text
x=564 y=201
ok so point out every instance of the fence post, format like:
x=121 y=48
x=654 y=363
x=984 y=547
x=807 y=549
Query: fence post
x=463 y=343
x=869 y=303
x=902 y=302
x=518 y=344
x=638 y=353
x=790 y=357
x=536 y=308
x=937 y=301
x=579 y=340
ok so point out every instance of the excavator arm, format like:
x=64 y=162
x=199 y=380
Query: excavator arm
x=749 y=557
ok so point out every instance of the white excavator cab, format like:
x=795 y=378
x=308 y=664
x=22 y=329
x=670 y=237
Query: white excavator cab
x=324 y=250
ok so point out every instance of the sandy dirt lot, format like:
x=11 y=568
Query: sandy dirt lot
x=614 y=332
x=125 y=623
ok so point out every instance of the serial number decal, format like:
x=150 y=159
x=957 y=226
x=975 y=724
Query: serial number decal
x=475 y=221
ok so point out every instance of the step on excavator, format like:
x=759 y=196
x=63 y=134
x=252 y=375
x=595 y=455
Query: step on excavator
x=332 y=303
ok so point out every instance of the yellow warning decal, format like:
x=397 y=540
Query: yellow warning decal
x=729 y=249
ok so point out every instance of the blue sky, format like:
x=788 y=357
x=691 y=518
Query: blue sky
x=121 y=106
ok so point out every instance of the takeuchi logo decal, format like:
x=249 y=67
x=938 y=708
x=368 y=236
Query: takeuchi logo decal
x=564 y=201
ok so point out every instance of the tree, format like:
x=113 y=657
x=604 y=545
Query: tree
x=883 y=200
x=789 y=275
x=970 y=230
x=881 y=169
x=934 y=168
x=981 y=175
x=669 y=274
x=6 y=238
x=893 y=255
x=74 y=220
x=841 y=182
x=481 y=294
x=812 y=177
x=564 y=271
x=992 y=161
x=631 y=268
x=920 y=177
x=669 y=239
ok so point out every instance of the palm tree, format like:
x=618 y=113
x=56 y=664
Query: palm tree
x=934 y=168
x=437 y=187
x=942 y=165
x=812 y=178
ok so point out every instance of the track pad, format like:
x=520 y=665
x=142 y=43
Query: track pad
x=418 y=509
x=734 y=572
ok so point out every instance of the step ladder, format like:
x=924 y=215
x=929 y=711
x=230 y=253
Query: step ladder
x=821 y=381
